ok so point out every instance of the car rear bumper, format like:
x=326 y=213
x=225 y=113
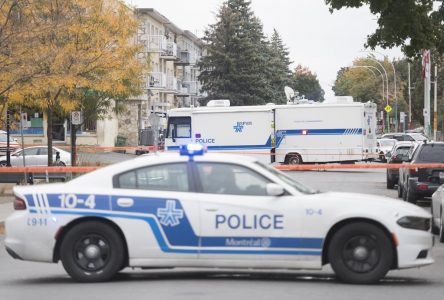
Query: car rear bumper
x=424 y=189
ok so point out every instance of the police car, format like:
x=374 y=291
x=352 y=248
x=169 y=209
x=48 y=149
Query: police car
x=195 y=210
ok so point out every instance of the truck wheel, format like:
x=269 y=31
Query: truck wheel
x=92 y=252
x=361 y=253
x=294 y=160
x=410 y=196
x=390 y=183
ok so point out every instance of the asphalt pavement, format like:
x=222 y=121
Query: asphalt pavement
x=28 y=280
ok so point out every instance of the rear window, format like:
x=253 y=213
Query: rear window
x=431 y=153
x=403 y=150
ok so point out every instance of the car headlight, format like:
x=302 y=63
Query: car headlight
x=415 y=223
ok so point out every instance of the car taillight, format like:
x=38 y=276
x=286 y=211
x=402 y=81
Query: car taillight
x=413 y=172
x=394 y=157
x=19 y=204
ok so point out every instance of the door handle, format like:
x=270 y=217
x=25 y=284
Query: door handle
x=125 y=202
x=211 y=209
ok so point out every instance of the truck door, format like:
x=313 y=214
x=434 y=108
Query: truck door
x=179 y=132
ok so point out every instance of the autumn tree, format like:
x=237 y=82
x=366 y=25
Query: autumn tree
x=87 y=45
x=307 y=84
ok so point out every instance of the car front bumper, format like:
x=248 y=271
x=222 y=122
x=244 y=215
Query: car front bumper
x=414 y=248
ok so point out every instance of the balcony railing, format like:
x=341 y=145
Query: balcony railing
x=171 y=84
x=154 y=43
x=171 y=51
x=157 y=80
x=192 y=86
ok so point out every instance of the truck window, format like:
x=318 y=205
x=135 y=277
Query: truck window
x=181 y=126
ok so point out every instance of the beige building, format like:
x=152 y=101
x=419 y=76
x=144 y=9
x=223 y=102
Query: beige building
x=172 y=55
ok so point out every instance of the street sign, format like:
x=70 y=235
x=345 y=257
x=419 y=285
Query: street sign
x=388 y=108
x=24 y=120
x=402 y=116
x=76 y=118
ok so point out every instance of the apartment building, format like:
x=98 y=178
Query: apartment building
x=172 y=55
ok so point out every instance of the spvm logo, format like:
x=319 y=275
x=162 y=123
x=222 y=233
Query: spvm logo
x=240 y=126
x=170 y=215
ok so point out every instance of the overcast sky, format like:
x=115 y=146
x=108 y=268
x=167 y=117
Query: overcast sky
x=322 y=41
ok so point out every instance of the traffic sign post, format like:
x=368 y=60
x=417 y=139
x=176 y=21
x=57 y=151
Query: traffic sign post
x=388 y=109
x=76 y=118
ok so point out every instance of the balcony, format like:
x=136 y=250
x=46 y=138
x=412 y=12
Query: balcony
x=154 y=43
x=172 y=84
x=156 y=81
x=193 y=87
x=184 y=58
x=171 y=51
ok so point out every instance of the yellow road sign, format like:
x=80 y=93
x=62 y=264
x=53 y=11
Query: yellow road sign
x=388 y=108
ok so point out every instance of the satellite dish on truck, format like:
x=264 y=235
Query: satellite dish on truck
x=289 y=93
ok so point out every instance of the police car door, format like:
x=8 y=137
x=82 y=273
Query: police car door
x=240 y=223
x=156 y=206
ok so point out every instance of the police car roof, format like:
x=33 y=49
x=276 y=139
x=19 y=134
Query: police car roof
x=103 y=177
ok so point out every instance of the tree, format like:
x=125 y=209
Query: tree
x=236 y=66
x=280 y=73
x=87 y=44
x=306 y=83
x=411 y=24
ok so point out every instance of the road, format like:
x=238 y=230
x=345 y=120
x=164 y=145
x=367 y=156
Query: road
x=26 y=280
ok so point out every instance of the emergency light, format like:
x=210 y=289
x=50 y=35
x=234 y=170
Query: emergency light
x=191 y=150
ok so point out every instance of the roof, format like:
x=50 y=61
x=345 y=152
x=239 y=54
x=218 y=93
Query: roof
x=160 y=18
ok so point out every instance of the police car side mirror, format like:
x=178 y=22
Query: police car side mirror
x=275 y=190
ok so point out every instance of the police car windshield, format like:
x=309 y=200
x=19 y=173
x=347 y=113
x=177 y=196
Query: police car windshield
x=288 y=180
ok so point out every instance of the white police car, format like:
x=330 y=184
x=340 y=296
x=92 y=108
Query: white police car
x=211 y=211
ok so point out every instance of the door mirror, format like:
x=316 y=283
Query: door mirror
x=275 y=190
x=174 y=134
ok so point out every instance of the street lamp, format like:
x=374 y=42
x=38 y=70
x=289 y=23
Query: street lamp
x=394 y=80
x=371 y=68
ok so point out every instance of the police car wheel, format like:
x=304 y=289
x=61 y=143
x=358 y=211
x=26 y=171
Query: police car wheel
x=92 y=252
x=361 y=253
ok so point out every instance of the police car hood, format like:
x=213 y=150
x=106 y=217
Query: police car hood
x=374 y=202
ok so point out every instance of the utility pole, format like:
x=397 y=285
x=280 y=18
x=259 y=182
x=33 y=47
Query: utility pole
x=8 y=136
x=427 y=83
x=435 y=112
x=410 y=99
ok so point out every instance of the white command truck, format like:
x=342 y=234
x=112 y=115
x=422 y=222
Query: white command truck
x=289 y=134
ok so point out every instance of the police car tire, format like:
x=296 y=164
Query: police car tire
x=383 y=248
x=116 y=254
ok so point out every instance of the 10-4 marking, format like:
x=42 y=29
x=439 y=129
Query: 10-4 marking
x=72 y=201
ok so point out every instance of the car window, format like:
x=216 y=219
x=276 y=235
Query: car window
x=431 y=153
x=229 y=179
x=167 y=177
x=31 y=151
x=403 y=151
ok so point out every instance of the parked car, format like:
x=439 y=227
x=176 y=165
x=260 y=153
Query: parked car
x=406 y=137
x=36 y=156
x=438 y=213
x=397 y=155
x=13 y=144
x=415 y=184
x=384 y=146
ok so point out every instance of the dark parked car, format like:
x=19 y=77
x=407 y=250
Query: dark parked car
x=415 y=184
x=397 y=155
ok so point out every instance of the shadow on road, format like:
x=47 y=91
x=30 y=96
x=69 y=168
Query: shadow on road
x=219 y=275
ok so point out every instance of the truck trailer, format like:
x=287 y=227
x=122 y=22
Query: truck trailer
x=287 y=134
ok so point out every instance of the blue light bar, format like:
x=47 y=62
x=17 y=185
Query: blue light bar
x=191 y=150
